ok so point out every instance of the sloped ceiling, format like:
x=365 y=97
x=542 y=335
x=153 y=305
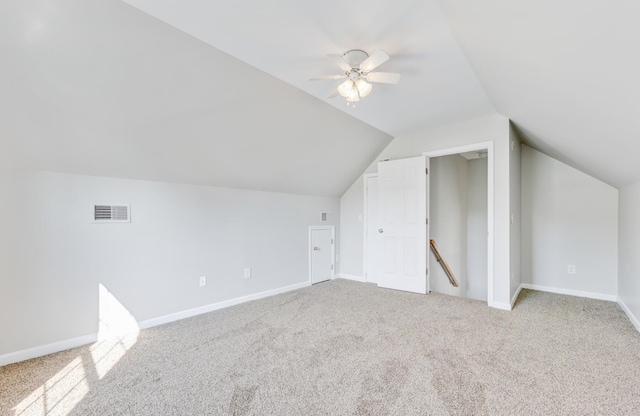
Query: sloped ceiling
x=290 y=39
x=565 y=72
x=217 y=93
x=99 y=88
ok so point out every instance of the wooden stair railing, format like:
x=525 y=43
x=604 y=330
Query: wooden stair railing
x=443 y=263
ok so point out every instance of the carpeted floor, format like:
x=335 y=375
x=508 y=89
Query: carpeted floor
x=343 y=348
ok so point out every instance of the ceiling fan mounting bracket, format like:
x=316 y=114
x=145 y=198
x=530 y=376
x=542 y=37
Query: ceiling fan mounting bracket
x=355 y=57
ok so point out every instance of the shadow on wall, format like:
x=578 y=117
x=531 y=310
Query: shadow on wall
x=80 y=367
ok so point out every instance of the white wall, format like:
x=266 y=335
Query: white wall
x=351 y=229
x=488 y=129
x=515 y=201
x=477 y=230
x=52 y=257
x=568 y=218
x=629 y=250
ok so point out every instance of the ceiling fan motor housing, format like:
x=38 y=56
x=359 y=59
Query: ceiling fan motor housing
x=355 y=57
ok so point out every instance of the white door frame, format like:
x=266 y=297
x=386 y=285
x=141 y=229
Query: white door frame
x=333 y=248
x=366 y=177
x=488 y=146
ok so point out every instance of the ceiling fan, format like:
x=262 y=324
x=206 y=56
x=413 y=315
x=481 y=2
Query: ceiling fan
x=358 y=66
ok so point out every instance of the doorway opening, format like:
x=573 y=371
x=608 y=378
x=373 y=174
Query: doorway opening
x=458 y=218
x=461 y=206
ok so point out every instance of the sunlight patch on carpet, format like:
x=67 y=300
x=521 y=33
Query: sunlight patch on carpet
x=117 y=333
x=59 y=395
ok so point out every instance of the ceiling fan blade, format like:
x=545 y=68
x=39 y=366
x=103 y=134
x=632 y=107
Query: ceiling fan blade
x=337 y=59
x=333 y=94
x=376 y=59
x=384 y=77
x=327 y=77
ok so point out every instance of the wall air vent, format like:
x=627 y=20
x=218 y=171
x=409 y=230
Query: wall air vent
x=112 y=213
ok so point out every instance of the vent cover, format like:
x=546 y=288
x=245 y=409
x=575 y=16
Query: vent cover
x=112 y=213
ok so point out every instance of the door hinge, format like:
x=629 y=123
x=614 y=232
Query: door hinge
x=332 y=267
x=332 y=241
x=426 y=171
x=427 y=221
x=427 y=270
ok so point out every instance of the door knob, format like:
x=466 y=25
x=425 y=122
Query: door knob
x=316 y=248
x=380 y=230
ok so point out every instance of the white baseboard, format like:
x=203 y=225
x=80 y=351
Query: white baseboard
x=579 y=293
x=500 y=305
x=506 y=306
x=14 y=357
x=215 y=306
x=34 y=352
x=352 y=277
x=515 y=296
x=630 y=315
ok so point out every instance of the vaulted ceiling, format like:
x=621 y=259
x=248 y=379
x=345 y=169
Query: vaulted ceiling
x=100 y=88
x=217 y=93
x=290 y=40
x=565 y=72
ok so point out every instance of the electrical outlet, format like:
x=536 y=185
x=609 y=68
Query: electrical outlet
x=203 y=280
x=571 y=269
x=247 y=272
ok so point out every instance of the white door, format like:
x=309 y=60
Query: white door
x=402 y=189
x=373 y=239
x=321 y=254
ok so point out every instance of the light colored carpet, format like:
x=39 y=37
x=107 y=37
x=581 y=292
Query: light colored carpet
x=341 y=348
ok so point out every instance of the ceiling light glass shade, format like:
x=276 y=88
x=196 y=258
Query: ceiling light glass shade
x=364 y=88
x=346 y=88
x=353 y=96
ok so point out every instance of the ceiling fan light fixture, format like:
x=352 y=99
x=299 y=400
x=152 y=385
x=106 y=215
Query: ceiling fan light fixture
x=358 y=66
x=353 y=96
x=346 y=88
x=364 y=88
